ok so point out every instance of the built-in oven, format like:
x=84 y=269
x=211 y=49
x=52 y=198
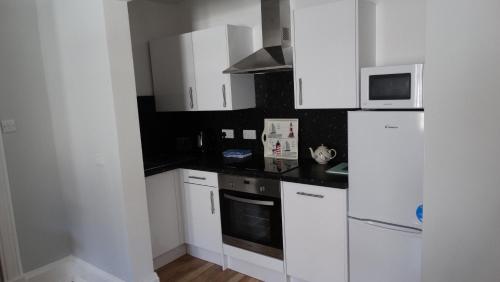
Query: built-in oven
x=251 y=214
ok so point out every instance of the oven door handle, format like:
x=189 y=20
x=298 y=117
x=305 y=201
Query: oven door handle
x=248 y=201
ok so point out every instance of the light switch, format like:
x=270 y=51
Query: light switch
x=229 y=133
x=249 y=134
x=9 y=126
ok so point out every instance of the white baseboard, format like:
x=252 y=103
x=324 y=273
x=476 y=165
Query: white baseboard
x=253 y=270
x=152 y=278
x=255 y=265
x=293 y=279
x=204 y=254
x=169 y=256
x=254 y=258
x=18 y=279
x=57 y=271
x=73 y=269
x=84 y=271
x=248 y=263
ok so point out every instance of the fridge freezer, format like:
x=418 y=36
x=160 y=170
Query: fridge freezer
x=386 y=156
x=383 y=253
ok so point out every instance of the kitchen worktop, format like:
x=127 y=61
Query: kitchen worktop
x=308 y=171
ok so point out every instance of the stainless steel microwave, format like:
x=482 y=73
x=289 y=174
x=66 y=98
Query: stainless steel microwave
x=392 y=87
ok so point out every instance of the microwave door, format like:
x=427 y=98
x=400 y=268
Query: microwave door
x=386 y=166
x=392 y=87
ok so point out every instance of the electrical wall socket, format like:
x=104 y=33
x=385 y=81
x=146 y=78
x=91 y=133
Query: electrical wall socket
x=249 y=134
x=229 y=133
x=9 y=126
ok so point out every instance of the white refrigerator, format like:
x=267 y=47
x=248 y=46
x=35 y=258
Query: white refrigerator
x=386 y=154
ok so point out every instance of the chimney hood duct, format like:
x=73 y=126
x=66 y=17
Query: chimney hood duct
x=276 y=54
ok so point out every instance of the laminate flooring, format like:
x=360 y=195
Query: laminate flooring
x=188 y=268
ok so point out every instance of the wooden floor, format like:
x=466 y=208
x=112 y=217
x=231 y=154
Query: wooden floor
x=188 y=268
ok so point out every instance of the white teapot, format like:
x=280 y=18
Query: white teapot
x=322 y=154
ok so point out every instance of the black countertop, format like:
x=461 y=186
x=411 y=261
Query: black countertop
x=308 y=171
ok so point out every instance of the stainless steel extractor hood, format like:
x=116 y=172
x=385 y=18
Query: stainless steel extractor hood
x=276 y=54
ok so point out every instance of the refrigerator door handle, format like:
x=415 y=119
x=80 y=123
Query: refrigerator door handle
x=388 y=226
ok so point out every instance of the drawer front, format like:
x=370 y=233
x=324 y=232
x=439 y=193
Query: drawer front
x=200 y=177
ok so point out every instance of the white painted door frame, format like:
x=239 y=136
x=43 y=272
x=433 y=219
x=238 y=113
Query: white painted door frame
x=9 y=248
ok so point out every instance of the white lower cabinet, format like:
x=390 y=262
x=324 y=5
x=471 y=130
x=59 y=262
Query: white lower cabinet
x=315 y=228
x=162 y=191
x=202 y=223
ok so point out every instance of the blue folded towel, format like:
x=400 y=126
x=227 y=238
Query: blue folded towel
x=237 y=153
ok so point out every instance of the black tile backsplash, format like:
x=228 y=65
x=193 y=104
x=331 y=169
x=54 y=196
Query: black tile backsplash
x=167 y=133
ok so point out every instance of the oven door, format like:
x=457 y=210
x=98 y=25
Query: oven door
x=252 y=222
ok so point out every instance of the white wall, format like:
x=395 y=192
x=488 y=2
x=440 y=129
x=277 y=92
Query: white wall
x=462 y=158
x=30 y=152
x=400 y=32
x=129 y=141
x=151 y=20
x=204 y=14
x=10 y=260
x=87 y=56
x=299 y=4
x=400 y=27
x=400 y=24
x=154 y=19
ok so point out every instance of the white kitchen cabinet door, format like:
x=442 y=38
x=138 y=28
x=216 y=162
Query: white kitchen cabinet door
x=386 y=165
x=173 y=73
x=315 y=228
x=163 y=196
x=215 y=49
x=325 y=56
x=202 y=225
x=384 y=253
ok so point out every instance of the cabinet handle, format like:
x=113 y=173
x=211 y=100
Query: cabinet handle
x=197 y=177
x=212 y=201
x=191 y=96
x=310 y=195
x=224 y=103
x=300 y=91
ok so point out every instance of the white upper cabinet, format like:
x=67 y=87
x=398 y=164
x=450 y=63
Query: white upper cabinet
x=326 y=54
x=215 y=50
x=315 y=226
x=187 y=70
x=173 y=73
